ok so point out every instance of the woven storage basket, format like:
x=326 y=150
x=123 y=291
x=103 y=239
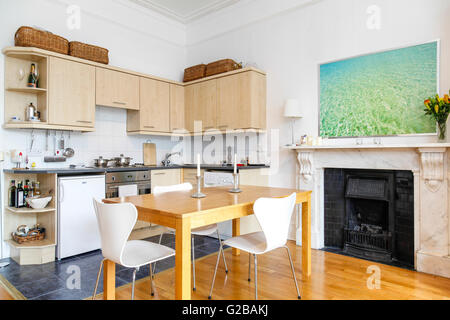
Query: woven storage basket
x=89 y=52
x=30 y=37
x=221 y=66
x=194 y=73
x=29 y=238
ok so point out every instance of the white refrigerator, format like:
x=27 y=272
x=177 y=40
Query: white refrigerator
x=77 y=223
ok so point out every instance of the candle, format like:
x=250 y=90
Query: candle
x=235 y=163
x=198 y=166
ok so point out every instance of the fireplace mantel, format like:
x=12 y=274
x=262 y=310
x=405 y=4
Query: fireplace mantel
x=370 y=146
x=429 y=164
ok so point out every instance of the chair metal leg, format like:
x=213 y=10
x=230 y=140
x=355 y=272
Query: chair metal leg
x=249 y=267
x=193 y=261
x=215 y=273
x=98 y=279
x=154 y=265
x=293 y=271
x=151 y=282
x=134 y=281
x=256 y=277
x=223 y=252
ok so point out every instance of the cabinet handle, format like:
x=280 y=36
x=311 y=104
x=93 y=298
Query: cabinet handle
x=211 y=127
x=84 y=121
x=149 y=127
x=121 y=103
x=159 y=174
x=225 y=126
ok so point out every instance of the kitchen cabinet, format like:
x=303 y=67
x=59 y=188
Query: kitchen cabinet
x=117 y=89
x=177 y=114
x=71 y=93
x=201 y=105
x=190 y=175
x=154 y=113
x=241 y=102
x=165 y=177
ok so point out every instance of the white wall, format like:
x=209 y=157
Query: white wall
x=289 y=38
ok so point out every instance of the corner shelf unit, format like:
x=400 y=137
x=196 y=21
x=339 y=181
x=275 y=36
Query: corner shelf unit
x=36 y=252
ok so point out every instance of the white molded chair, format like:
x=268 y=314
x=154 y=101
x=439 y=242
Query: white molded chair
x=274 y=217
x=202 y=231
x=115 y=222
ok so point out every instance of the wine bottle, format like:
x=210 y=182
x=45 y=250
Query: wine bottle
x=12 y=194
x=19 y=196
x=32 y=78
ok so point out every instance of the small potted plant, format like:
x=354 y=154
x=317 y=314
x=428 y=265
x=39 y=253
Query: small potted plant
x=439 y=109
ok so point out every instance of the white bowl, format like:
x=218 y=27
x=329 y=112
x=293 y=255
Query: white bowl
x=39 y=203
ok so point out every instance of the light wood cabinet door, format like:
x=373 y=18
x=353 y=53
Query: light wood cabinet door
x=177 y=114
x=71 y=93
x=241 y=101
x=154 y=113
x=168 y=177
x=201 y=104
x=117 y=89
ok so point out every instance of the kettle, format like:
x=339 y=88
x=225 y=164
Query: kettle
x=30 y=112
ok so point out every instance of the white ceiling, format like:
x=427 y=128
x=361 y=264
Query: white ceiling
x=185 y=11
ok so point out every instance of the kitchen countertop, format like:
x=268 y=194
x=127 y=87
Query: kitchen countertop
x=88 y=170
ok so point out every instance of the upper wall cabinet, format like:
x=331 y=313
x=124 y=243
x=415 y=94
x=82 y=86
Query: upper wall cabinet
x=117 y=89
x=241 y=101
x=177 y=112
x=71 y=93
x=201 y=105
x=229 y=101
x=154 y=113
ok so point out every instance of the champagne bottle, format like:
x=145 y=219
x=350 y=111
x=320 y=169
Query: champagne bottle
x=32 y=78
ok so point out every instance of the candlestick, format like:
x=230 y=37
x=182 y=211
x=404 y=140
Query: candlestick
x=198 y=165
x=236 y=188
x=199 y=194
x=235 y=163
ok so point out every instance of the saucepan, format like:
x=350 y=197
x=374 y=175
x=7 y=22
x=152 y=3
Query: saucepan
x=123 y=161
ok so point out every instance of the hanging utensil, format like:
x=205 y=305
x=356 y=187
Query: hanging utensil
x=69 y=152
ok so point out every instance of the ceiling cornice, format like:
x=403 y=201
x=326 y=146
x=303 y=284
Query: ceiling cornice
x=201 y=12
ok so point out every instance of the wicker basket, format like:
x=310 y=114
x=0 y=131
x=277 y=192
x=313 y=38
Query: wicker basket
x=222 y=66
x=89 y=52
x=30 y=37
x=29 y=238
x=195 y=72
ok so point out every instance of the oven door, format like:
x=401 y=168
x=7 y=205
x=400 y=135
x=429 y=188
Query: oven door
x=112 y=189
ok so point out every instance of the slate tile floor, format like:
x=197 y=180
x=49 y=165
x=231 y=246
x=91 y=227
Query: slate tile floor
x=52 y=281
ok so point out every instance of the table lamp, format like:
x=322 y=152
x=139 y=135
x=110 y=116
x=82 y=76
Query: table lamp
x=292 y=111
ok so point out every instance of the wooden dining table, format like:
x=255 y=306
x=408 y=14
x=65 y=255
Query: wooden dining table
x=178 y=210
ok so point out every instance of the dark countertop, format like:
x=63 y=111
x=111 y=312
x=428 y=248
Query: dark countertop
x=88 y=170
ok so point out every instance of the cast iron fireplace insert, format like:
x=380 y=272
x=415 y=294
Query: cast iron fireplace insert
x=369 y=214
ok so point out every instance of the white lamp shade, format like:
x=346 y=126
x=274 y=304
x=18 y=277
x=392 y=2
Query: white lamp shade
x=292 y=109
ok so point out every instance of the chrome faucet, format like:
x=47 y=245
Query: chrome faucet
x=166 y=162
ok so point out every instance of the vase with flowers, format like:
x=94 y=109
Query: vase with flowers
x=439 y=109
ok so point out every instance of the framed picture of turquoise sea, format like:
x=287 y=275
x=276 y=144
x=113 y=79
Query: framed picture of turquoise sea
x=379 y=94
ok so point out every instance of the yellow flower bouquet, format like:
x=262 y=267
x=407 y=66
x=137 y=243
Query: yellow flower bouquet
x=439 y=109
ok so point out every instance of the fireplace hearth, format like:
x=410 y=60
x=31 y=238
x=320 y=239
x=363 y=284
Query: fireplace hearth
x=370 y=214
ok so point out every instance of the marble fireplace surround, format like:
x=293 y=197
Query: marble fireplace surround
x=430 y=166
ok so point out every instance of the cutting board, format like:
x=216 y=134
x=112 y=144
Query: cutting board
x=149 y=154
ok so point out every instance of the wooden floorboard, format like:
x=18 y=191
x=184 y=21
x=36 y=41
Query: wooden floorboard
x=334 y=277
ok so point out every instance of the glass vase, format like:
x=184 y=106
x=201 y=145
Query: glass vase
x=442 y=131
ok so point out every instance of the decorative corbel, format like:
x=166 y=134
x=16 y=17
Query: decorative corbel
x=432 y=163
x=306 y=166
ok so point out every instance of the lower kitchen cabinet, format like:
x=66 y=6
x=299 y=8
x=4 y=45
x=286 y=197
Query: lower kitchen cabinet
x=190 y=175
x=166 y=177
